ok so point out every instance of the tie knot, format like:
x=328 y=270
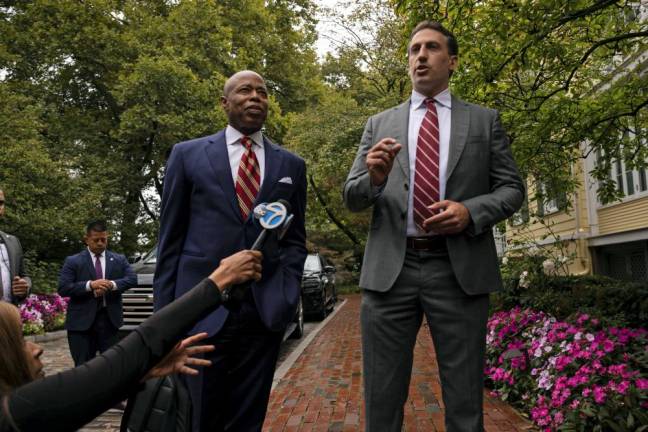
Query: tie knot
x=429 y=103
x=247 y=142
x=98 y=256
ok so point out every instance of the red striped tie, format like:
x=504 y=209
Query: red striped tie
x=426 y=176
x=247 y=179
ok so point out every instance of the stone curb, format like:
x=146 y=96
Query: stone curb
x=299 y=349
x=47 y=337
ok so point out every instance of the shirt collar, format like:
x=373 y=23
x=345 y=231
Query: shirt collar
x=103 y=254
x=233 y=136
x=444 y=99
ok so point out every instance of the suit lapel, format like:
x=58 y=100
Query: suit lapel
x=273 y=162
x=219 y=161
x=459 y=123
x=109 y=263
x=11 y=254
x=88 y=258
x=400 y=126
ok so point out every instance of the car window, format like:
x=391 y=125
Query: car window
x=312 y=263
x=151 y=257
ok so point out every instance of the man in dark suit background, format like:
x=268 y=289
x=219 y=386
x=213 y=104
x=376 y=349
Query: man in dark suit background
x=211 y=186
x=14 y=284
x=439 y=174
x=94 y=279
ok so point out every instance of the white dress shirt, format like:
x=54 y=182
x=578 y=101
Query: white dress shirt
x=443 y=102
x=102 y=260
x=235 y=150
x=5 y=271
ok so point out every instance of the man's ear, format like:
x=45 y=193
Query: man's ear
x=454 y=63
x=224 y=103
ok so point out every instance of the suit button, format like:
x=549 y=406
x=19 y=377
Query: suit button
x=403 y=215
x=406 y=186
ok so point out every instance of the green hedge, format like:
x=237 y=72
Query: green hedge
x=614 y=302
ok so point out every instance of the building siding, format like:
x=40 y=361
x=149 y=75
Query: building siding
x=624 y=216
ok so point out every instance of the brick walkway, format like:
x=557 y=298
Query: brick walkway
x=323 y=389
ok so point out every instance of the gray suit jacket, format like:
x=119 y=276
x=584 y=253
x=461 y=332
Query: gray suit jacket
x=16 y=265
x=481 y=175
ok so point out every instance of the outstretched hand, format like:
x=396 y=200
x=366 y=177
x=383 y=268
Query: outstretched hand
x=181 y=357
x=237 y=269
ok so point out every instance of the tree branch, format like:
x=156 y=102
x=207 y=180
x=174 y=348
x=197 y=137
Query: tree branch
x=567 y=18
x=147 y=209
x=330 y=214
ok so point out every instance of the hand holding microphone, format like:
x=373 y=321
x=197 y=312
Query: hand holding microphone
x=275 y=219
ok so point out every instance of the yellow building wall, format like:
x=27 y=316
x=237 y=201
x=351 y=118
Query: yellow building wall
x=570 y=225
x=623 y=216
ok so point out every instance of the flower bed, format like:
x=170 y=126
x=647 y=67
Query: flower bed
x=569 y=376
x=43 y=312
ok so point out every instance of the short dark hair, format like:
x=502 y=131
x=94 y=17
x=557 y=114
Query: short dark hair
x=96 y=226
x=453 y=45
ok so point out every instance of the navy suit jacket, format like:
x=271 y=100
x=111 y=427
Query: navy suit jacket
x=200 y=224
x=76 y=272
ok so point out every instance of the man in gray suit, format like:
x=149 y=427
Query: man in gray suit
x=14 y=285
x=439 y=174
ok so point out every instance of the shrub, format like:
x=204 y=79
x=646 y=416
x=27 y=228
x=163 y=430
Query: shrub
x=569 y=375
x=616 y=303
x=43 y=274
x=43 y=312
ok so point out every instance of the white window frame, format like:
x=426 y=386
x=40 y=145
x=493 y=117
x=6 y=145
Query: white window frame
x=622 y=175
x=549 y=205
x=619 y=173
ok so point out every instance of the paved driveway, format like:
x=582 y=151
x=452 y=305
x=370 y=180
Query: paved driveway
x=320 y=388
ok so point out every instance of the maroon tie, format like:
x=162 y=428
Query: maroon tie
x=426 y=175
x=98 y=270
x=248 y=178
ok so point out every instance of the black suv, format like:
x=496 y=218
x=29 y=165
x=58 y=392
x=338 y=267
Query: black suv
x=318 y=286
x=138 y=301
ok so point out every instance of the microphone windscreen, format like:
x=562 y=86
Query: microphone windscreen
x=285 y=203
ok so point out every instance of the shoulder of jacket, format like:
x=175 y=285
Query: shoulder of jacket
x=196 y=143
x=287 y=153
x=390 y=111
x=480 y=109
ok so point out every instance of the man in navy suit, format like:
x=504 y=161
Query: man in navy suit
x=94 y=279
x=210 y=188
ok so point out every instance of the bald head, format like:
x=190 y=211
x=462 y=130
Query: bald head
x=231 y=82
x=245 y=101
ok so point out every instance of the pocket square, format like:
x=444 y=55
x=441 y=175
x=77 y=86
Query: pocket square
x=286 y=180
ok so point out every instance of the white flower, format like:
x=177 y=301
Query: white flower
x=589 y=337
x=505 y=260
x=548 y=267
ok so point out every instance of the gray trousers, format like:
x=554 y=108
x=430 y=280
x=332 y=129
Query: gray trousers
x=390 y=323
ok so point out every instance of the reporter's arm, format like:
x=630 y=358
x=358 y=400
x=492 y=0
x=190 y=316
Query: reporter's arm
x=68 y=400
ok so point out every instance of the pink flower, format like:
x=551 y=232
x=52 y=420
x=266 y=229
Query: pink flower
x=608 y=346
x=599 y=394
x=642 y=383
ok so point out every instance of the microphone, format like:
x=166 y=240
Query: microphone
x=274 y=218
